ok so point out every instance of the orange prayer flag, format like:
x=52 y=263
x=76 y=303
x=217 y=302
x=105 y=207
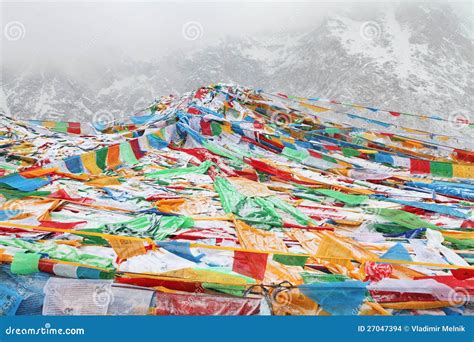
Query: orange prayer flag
x=40 y=172
x=113 y=157
x=169 y=205
x=104 y=181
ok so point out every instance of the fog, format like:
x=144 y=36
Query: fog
x=78 y=35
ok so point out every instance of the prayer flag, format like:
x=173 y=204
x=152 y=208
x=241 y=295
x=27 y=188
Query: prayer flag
x=250 y=264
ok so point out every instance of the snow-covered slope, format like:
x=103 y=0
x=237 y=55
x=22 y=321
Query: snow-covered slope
x=411 y=58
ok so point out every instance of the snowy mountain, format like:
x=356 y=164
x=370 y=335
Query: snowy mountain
x=410 y=58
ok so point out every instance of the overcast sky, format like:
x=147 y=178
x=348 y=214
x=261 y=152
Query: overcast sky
x=59 y=32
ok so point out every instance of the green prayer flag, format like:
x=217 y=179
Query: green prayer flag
x=466 y=244
x=201 y=169
x=101 y=158
x=350 y=152
x=234 y=290
x=61 y=126
x=441 y=169
x=346 y=198
x=25 y=263
x=291 y=260
x=93 y=240
x=331 y=130
x=216 y=128
x=256 y=210
x=16 y=194
x=222 y=151
x=169 y=224
x=312 y=278
x=298 y=155
x=404 y=218
x=60 y=252
x=300 y=217
x=358 y=140
x=228 y=194
x=126 y=154
x=7 y=167
x=310 y=197
x=389 y=228
x=152 y=226
x=329 y=159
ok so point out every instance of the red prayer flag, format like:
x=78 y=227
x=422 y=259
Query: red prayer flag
x=419 y=166
x=74 y=127
x=205 y=304
x=315 y=154
x=250 y=264
x=466 y=284
x=332 y=147
x=465 y=156
x=206 y=127
x=61 y=225
x=46 y=266
x=396 y=297
x=463 y=273
x=62 y=194
x=194 y=111
x=201 y=93
x=136 y=148
x=261 y=137
x=258 y=125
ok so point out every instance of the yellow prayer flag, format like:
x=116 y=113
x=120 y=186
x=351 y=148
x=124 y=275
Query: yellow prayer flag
x=314 y=108
x=126 y=247
x=332 y=250
x=258 y=239
x=227 y=128
x=88 y=159
x=463 y=170
x=458 y=234
x=363 y=150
